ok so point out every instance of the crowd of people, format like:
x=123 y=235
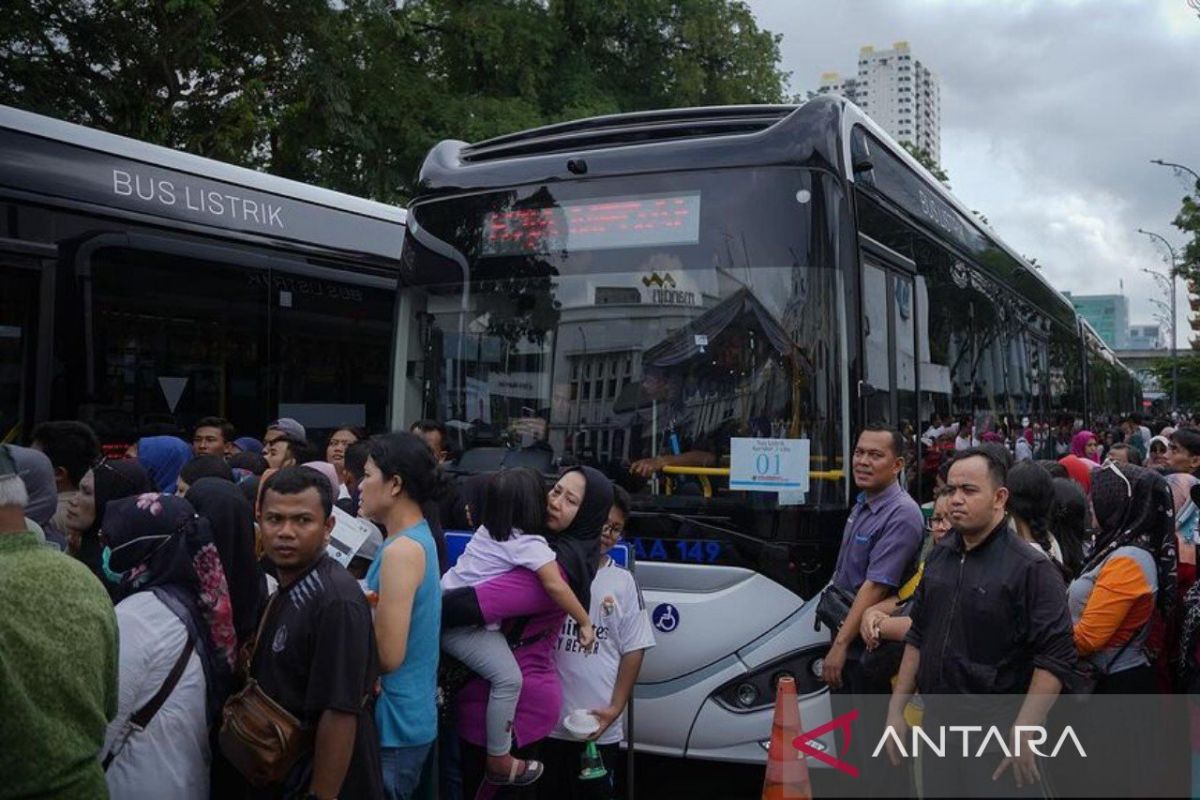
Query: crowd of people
x=245 y=617
x=160 y=606
x=1132 y=439
x=1047 y=560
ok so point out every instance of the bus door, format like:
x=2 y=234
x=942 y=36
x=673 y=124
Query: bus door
x=889 y=383
x=26 y=326
x=331 y=345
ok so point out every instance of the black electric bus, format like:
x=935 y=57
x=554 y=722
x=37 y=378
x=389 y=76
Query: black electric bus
x=143 y=288
x=706 y=303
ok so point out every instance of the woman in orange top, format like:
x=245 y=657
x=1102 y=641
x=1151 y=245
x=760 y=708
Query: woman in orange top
x=1129 y=576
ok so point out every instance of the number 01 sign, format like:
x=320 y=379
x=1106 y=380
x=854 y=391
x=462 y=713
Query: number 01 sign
x=769 y=465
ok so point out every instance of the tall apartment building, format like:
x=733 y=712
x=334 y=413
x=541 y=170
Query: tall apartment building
x=897 y=91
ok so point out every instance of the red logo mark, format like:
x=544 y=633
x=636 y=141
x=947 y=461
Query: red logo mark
x=801 y=742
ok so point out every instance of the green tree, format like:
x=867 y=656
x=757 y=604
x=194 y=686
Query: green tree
x=1189 y=378
x=926 y=160
x=1188 y=221
x=352 y=94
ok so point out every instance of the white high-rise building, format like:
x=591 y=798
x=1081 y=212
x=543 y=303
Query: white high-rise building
x=899 y=92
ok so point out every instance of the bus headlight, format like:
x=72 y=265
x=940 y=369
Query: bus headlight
x=747 y=695
x=756 y=690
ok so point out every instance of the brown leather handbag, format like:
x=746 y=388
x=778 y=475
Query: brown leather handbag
x=261 y=738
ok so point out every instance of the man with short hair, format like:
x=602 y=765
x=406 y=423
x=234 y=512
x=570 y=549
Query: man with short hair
x=965 y=438
x=989 y=618
x=1132 y=428
x=1058 y=440
x=316 y=654
x=599 y=679
x=354 y=468
x=435 y=435
x=1183 y=451
x=879 y=545
x=213 y=436
x=73 y=449
x=1124 y=454
x=879 y=550
x=284 y=427
x=58 y=661
x=284 y=451
x=1140 y=421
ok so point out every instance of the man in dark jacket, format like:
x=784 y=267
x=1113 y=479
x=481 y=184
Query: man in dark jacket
x=990 y=618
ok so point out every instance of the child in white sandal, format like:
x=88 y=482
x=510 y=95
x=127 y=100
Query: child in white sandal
x=513 y=514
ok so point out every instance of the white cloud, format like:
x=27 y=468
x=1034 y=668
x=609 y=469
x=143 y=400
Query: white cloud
x=1052 y=110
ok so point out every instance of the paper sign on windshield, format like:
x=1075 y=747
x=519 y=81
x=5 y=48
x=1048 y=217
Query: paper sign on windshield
x=769 y=465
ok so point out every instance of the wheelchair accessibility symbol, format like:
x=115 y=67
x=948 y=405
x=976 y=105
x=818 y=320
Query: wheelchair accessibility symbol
x=665 y=617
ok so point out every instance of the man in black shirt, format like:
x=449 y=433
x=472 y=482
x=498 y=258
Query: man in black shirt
x=316 y=656
x=989 y=618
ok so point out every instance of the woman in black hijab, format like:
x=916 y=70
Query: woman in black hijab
x=576 y=509
x=1134 y=507
x=1128 y=579
x=156 y=542
x=231 y=520
x=103 y=483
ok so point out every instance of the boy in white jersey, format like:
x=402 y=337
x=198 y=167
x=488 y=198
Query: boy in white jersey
x=598 y=678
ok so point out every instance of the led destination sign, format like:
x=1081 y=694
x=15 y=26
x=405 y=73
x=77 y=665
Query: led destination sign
x=600 y=224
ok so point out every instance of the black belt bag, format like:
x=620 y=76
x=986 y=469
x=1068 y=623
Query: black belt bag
x=833 y=608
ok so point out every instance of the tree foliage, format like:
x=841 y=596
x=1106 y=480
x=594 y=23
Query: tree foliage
x=926 y=160
x=1188 y=221
x=1189 y=378
x=352 y=94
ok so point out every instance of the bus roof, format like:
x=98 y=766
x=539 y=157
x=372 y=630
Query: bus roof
x=856 y=116
x=79 y=136
x=708 y=137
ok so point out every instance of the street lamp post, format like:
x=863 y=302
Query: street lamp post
x=1171 y=274
x=1178 y=167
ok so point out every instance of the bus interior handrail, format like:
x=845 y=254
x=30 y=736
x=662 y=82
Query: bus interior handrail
x=820 y=475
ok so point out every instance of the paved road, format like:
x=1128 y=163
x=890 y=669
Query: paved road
x=661 y=778
x=658 y=777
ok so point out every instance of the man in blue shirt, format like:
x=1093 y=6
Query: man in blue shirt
x=879 y=544
x=879 y=548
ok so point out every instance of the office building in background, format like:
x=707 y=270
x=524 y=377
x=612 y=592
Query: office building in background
x=1108 y=314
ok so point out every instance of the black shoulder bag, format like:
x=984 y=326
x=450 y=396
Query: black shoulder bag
x=833 y=608
x=141 y=718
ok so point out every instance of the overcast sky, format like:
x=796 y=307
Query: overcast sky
x=1051 y=111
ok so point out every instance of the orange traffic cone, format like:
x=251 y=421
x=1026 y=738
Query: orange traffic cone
x=787 y=771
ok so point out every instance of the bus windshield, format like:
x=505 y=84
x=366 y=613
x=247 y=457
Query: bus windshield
x=637 y=324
